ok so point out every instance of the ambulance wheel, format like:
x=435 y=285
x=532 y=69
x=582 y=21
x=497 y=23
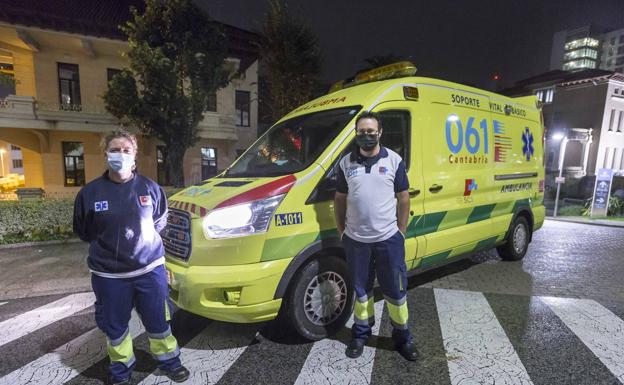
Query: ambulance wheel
x=320 y=298
x=517 y=241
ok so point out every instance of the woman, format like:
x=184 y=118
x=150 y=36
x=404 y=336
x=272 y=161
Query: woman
x=121 y=214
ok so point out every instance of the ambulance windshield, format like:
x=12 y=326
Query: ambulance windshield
x=291 y=146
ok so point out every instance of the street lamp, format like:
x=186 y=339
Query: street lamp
x=2 y=151
x=562 y=149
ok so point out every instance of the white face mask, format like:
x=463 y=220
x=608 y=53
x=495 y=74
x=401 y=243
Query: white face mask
x=119 y=162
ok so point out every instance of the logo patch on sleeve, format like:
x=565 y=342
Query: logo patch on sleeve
x=145 y=200
x=101 y=206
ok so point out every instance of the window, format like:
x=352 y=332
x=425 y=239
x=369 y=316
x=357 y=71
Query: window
x=613 y=40
x=15 y=148
x=611 y=120
x=621 y=39
x=395 y=136
x=18 y=163
x=620 y=59
x=242 y=108
x=7 y=80
x=110 y=73
x=292 y=145
x=617 y=91
x=545 y=95
x=69 y=87
x=208 y=162
x=211 y=104
x=540 y=95
x=611 y=51
x=619 y=125
x=396 y=129
x=73 y=162
x=162 y=173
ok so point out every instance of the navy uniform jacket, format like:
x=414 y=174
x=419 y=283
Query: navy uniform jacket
x=122 y=222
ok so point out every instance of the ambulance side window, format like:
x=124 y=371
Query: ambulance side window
x=326 y=188
x=396 y=132
x=396 y=136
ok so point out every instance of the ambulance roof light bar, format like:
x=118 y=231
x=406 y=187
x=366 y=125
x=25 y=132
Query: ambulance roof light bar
x=390 y=71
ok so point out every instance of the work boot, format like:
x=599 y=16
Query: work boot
x=179 y=374
x=113 y=381
x=408 y=351
x=355 y=348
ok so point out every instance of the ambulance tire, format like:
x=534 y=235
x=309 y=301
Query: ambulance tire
x=298 y=310
x=517 y=241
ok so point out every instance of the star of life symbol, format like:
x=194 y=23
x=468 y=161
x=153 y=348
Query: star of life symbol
x=527 y=144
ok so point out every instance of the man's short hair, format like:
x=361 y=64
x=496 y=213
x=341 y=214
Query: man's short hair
x=368 y=115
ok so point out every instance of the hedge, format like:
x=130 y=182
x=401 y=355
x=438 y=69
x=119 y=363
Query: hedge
x=35 y=220
x=40 y=219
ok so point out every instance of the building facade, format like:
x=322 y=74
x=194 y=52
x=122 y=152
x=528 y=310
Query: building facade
x=52 y=116
x=584 y=109
x=588 y=47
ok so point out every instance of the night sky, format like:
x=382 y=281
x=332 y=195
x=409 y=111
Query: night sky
x=462 y=41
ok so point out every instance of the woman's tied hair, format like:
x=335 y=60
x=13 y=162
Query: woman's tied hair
x=120 y=133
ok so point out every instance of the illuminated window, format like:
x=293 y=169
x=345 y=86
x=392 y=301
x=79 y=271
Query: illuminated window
x=584 y=42
x=545 y=95
x=73 y=163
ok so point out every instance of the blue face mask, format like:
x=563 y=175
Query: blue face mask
x=119 y=162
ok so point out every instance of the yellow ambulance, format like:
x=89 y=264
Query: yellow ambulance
x=260 y=239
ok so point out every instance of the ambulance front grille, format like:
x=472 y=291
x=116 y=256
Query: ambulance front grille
x=177 y=234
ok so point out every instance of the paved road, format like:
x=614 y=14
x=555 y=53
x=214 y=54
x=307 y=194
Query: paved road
x=554 y=318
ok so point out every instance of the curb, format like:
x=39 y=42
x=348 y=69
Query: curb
x=582 y=222
x=39 y=243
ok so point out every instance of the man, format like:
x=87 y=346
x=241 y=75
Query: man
x=372 y=224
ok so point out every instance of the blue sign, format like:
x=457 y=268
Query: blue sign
x=601 y=192
x=101 y=206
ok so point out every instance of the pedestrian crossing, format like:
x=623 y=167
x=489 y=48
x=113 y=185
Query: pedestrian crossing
x=463 y=338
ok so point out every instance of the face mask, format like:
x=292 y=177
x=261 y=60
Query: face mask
x=366 y=142
x=119 y=162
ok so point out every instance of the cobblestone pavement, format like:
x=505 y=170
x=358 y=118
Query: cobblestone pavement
x=564 y=259
x=554 y=318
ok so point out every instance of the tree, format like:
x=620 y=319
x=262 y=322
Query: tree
x=291 y=56
x=176 y=55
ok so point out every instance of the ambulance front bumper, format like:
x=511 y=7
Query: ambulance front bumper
x=236 y=293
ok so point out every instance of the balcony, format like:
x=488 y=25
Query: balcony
x=28 y=113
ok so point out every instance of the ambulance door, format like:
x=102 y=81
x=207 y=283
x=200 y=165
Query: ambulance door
x=457 y=171
x=397 y=120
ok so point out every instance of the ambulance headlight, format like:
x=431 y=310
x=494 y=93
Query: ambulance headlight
x=240 y=220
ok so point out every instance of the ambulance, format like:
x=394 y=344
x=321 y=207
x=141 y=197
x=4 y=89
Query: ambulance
x=259 y=240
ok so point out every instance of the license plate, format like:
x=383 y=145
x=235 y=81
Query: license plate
x=169 y=277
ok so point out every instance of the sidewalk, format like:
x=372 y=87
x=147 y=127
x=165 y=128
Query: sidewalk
x=588 y=221
x=43 y=269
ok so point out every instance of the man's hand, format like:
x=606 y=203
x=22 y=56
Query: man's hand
x=403 y=207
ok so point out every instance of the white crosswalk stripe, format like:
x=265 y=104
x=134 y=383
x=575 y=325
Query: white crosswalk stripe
x=35 y=319
x=599 y=329
x=327 y=364
x=210 y=354
x=67 y=361
x=477 y=348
